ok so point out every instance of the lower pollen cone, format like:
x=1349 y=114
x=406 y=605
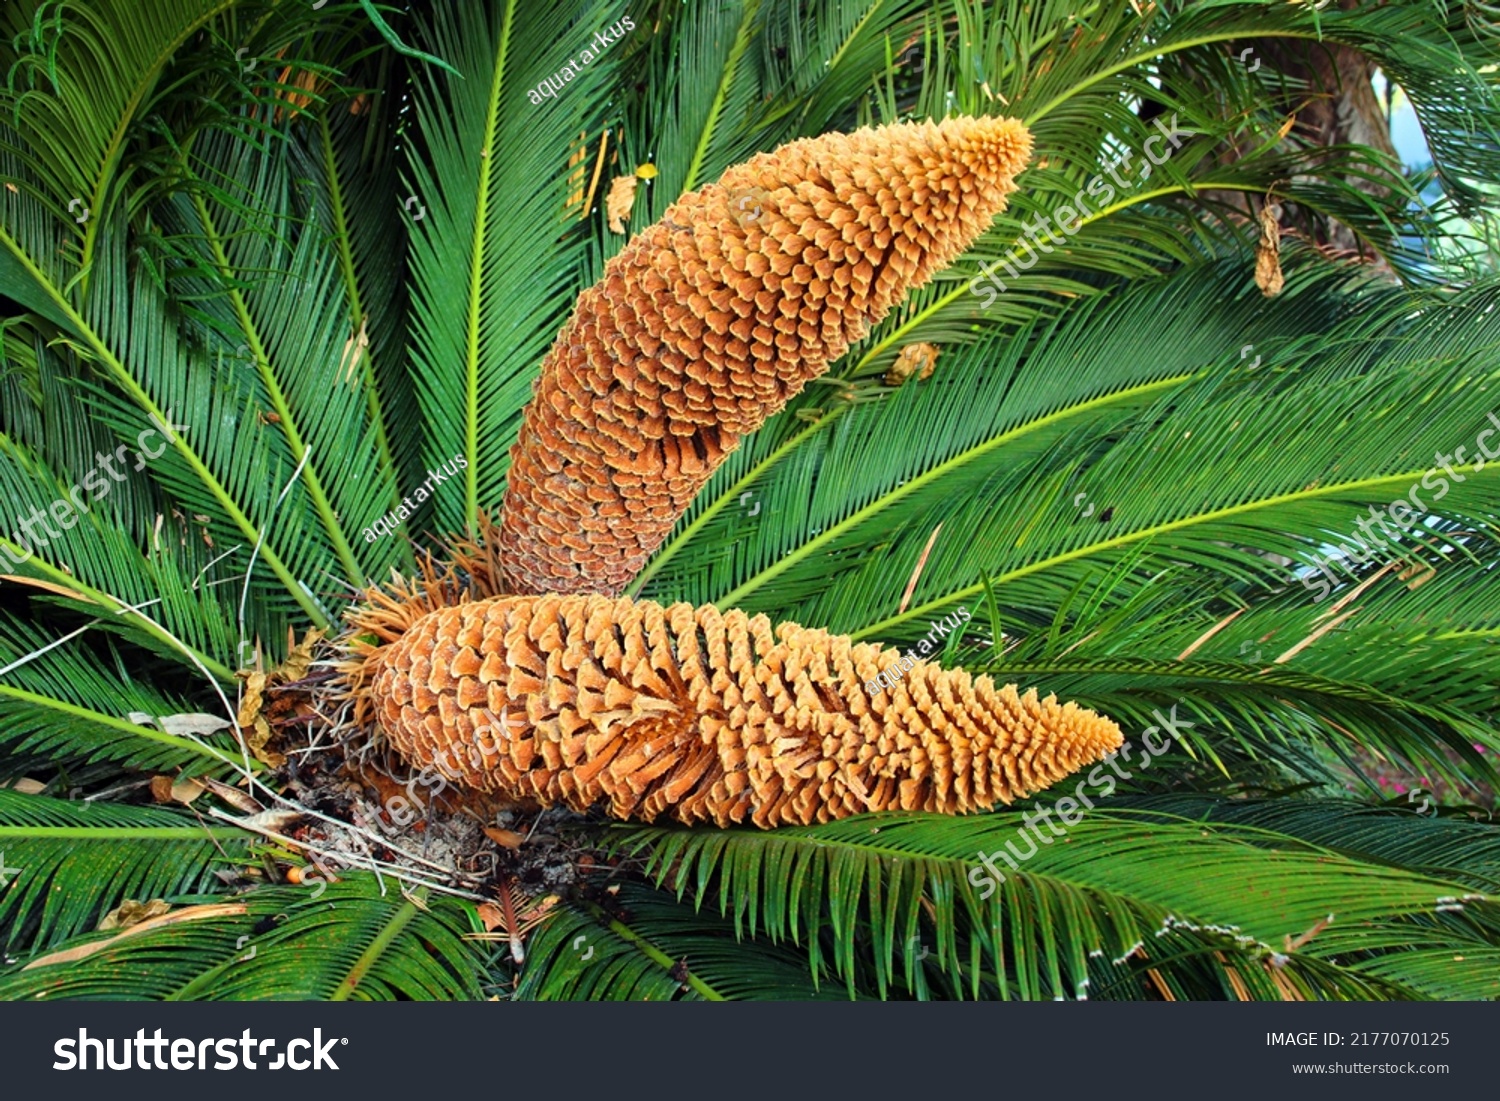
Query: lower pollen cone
x=697 y=715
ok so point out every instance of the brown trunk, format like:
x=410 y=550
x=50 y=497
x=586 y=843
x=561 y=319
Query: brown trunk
x=1338 y=106
x=1331 y=101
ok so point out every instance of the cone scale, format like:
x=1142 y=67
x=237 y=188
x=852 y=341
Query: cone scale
x=698 y=715
x=709 y=321
x=702 y=327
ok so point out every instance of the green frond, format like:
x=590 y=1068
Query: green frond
x=1137 y=890
x=82 y=76
x=351 y=942
x=156 y=600
x=75 y=861
x=335 y=244
x=1040 y=462
x=1453 y=848
x=495 y=244
x=352 y=151
x=65 y=705
x=649 y=948
x=297 y=340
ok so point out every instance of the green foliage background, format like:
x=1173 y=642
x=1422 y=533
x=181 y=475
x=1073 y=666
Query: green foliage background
x=266 y=187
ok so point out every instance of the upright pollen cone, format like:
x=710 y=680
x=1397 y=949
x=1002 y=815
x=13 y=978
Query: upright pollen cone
x=712 y=319
x=699 y=715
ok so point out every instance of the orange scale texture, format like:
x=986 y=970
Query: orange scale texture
x=699 y=715
x=692 y=339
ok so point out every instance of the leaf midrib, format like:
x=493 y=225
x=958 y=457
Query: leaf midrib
x=716 y=108
x=488 y=167
x=682 y=538
x=343 y=245
x=376 y=948
x=115 y=149
x=1126 y=538
x=63 y=579
x=144 y=401
x=901 y=332
x=899 y=493
x=125 y=726
x=119 y=833
x=283 y=409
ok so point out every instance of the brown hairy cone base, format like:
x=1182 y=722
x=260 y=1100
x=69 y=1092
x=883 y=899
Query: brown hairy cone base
x=709 y=321
x=698 y=715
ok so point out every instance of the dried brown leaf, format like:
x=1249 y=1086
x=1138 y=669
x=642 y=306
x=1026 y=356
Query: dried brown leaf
x=588 y=199
x=913 y=358
x=300 y=659
x=271 y=821
x=506 y=839
x=47 y=586
x=1268 y=274
x=190 y=913
x=1295 y=944
x=575 y=176
x=130 y=912
x=192 y=724
x=911 y=584
x=253 y=725
x=618 y=202
x=354 y=348
x=185 y=791
x=258 y=738
x=231 y=795
x=255 y=686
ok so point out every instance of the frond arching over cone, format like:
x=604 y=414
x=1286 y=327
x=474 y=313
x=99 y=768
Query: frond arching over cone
x=701 y=715
x=712 y=319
